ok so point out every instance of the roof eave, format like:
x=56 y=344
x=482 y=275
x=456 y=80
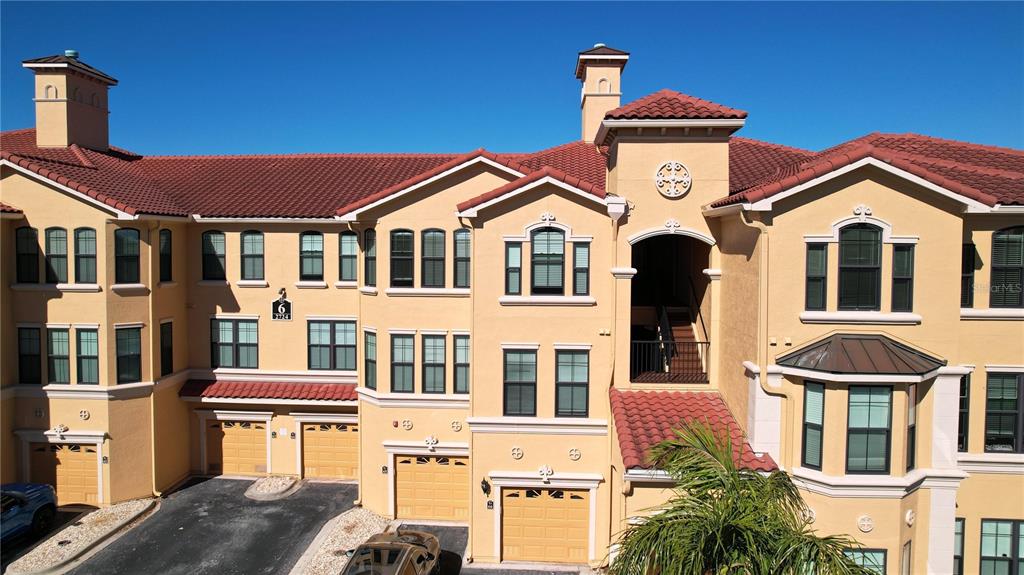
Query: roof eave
x=610 y=124
x=109 y=80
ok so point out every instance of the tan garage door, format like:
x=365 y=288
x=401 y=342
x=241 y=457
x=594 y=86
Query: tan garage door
x=70 y=468
x=432 y=487
x=236 y=447
x=330 y=450
x=545 y=525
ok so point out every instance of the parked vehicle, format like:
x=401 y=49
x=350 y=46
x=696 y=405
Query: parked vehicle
x=401 y=552
x=26 y=508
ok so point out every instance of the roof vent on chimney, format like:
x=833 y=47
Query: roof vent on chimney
x=71 y=54
x=599 y=45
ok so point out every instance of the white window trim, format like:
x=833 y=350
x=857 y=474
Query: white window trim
x=433 y=332
x=58 y=326
x=861 y=317
x=838 y=225
x=311 y=284
x=30 y=436
x=1001 y=368
x=331 y=318
x=857 y=378
x=538 y=425
x=346 y=284
x=131 y=325
x=427 y=292
x=303 y=418
x=998 y=313
x=78 y=288
x=572 y=346
x=128 y=288
x=623 y=273
x=673 y=230
x=368 y=290
x=398 y=331
x=205 y=415
x=647 y=476
x=234 y=316
x=528 y=230
x=519 y=345
x=548 y=300
x=252 y=283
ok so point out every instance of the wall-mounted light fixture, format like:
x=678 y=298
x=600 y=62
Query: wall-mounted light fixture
x=485 y=487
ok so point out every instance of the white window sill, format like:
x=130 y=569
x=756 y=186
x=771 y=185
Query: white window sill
x=860 y=317
x=307 y=284
x=252 y=283
x=992 y=313
x=213 y=283
x=368 y=290
x=547 y=300
x=428 y=292
x=167 y=284
x=345 y=284
x=84 y=288
x=128 y=288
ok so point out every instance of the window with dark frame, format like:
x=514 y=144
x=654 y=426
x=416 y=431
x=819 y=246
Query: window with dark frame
x=860 y=267
x=56 y=255
x=815 y=291
x=1003 y=421
x=1002 y=551
x=29 y=355
x=58 y=356
x=814 y=419
x=348 y=256
x=547 y=262
x=462 y=258
x=401 y=258
x=88 y=351
x=126 y=256
x=1007 y=268
x=968 y=259
x=461 y=363
x=370 y=361
x=166 y=348
x=432 y=259
x=252 y=252
x=214 y=254
x=903 y=277
x=403 y=358
x=958 y=546
x=370 y=258
x=433 y=363
x=85 y=256
x=311 y=256
x=27 y=255
x=166 y=251
x=581 y=268
x=332 y=345
x=869 y=429
x=513 y=268
x=871 y=559
x=963 y=423
x=911 y=426
x=234 y=343
x=572 y=377
x=520 y=382
x=128 y=342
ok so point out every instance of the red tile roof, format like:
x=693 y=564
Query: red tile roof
x=672 y=105
x=268 y=390
x=5 y=209
x=645 y=418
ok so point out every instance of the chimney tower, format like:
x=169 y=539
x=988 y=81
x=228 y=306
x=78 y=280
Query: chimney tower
x=600 y=71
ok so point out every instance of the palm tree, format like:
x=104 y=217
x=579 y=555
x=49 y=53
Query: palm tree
x=724 y=520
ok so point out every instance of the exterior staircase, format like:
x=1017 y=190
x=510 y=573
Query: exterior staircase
x=676 y=357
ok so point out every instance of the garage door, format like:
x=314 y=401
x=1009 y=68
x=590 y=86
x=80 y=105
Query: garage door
x=432 y=487
x=330 y=450
x=236 y=447
x=545 y=525
x=70 y=468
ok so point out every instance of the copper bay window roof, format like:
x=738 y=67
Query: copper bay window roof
x=861 y=354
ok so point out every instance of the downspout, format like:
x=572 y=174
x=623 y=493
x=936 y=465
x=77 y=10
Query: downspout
x=361 y=336
x=762 y=291
x=155 y=225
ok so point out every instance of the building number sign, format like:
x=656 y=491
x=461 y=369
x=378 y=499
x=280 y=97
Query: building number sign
x=281 y=310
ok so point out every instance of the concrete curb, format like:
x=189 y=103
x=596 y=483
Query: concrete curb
x=103 y=538
x=274 y=496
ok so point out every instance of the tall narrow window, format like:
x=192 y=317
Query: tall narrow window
x=348 y=255
x=166 y=348
x=85 y=256
x=234 y=343
x=433 y=364
x=872 y=559
x=88 y=349
x=1002 y=413
x=968 y=257
x=370 y=258
x=903 y=278
x=965 y=411
x=401 y=258
x=27 y=246
x=402 y=360
x=214 y=254
x=911 y=426
x=572 y=376
x=29 y=355
x=462 y=251
x=461 y=363
x=332 y=345
x=126 y=256
x=129 y=355
x=58 y=356
x=958 y=546
x=1002 y=548
x=56 y=255
x=814 y=419
x=869 y=429
x=547 y=261
x=252 y=255
x=513 y=268
x=433 y=259
x=311 y=256
x=1007 y=268
x=166 y=261
x=860 y=267
x=520 y=397
x=370 y=363
x=817 y=277
x=580 y=268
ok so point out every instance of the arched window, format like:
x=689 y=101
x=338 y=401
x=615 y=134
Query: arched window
x=85 y=256
x=252 y=255
x=348 y=253
x=860 y=267
x=94 y=100
x=50 y=92
x=547 y=261
x=433 y=259
x=462 y=252
x=126 y=256
x=311 y=256
x=1007 y=268
x=56 y=255
x=27 y=246
x=214 y=252
x=166 y=251
x=370 y=258
x=401 y=258
x=604 y=86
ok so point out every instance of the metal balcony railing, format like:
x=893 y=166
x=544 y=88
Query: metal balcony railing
x=668 y=361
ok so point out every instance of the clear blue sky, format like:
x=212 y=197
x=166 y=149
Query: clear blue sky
x=206 y=78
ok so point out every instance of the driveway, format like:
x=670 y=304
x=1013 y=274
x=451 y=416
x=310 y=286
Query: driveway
x=211 y=527
x=453 y=541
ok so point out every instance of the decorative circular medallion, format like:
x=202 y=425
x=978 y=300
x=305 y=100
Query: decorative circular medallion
x=865 y=523
x=456 y=425
x=575 y=454
x=517 y=453
x=83 y=415
x=910 y=517
x=673 y=179
x=407 y=424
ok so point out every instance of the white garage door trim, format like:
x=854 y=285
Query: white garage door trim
x=30 y=436
x=589 y=481
x=397 y=448
x=225 y=415
x=300 y=418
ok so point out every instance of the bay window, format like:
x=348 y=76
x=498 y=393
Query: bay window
x=128 y=342
x=126 y=256
x=816 y=277
x=58 y=356
x=88 y=350
x=869 y=429
x=513 y=268
x=814 y=419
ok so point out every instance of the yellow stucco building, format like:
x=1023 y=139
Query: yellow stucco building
x=496 y=339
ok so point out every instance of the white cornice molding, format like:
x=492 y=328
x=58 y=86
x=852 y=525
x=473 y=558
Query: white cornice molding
x=647 y=476
x=235 y=415
x=992 y=313
x=709 y=123
x=858 y=378
x=623 y=273
x=448 y=448
x=875 y=486
x=860 y=317
x=414 y=400
x=1003 y=368
x=547 y=300
x=533 y=479
x=538 y=425
x=303 y=417
x=82 y=391
x=69 y=436
x=995 y=463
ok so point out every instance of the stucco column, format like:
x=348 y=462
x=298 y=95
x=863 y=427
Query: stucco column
x=715 y=289
x=764 y=411
x=942 y=514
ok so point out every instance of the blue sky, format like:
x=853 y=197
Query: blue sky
x=207 y=78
